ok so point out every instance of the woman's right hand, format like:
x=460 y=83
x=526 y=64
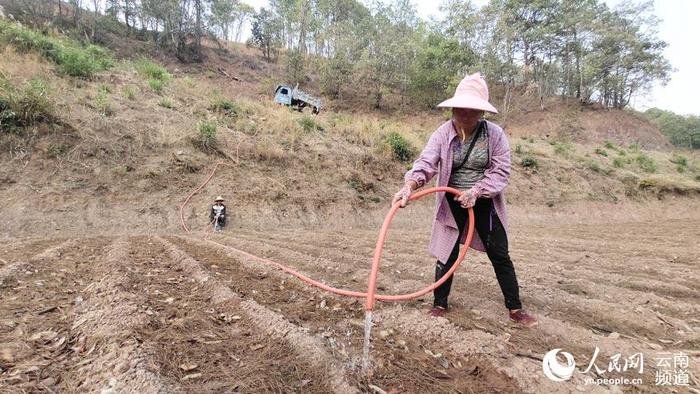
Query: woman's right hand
x=403 y=194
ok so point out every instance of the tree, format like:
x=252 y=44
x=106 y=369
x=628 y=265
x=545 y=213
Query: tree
x=627 y=55
x=242 y=13
x=682 y=131
x=223 y=15
x=266 y=33
x=440 y=62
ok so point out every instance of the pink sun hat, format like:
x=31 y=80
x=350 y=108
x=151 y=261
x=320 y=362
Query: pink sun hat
x=472 y=92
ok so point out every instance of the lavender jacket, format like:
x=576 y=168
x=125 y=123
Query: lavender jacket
x=436 y=158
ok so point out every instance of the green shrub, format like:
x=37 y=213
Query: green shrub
x=680 y=160
x=25 y=106
x=72 y=58
x=529 y=161
x=150 y=70
x=158 y=77
x=156 y=85
x=78 y=63
x=166 y=103
x=602 y=152
x=681 y=169
x=101 y=56
x=401 y=149
x=308 y=124
x=608 y=145
x=619 y=162
x=103 y=104
x=207 y=135
x=518 y=148
x=224 y=106
x=635 y=147
x=646 y=163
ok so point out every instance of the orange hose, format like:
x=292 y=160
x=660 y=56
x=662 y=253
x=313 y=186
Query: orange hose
x=370 y=295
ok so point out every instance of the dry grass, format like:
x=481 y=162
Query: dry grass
x=319 y=157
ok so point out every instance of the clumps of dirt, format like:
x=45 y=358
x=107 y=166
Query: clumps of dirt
x=106 y=322
x=269 y=323
x=400 y=360
x=37 y=345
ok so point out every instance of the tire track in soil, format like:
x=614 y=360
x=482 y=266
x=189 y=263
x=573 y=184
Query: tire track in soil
x=36 y=312
x=195 y=322
x=400 y=360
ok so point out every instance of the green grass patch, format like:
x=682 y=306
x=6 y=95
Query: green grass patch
x=206 y=136
x=166 y=103
x=129 y=93
x=529 y=161
x=680 y=160
x=646 y=163
x=309 y=124
x=224 y=106
x=24 y=106
x=560 y=148
x=620 y=162
x=103 y=104
x=55 y=150
x=158 y=77
x=157 y=85
x=595 y=167
x=400 y=148
x=150 y=70
x=71 y=57
x=602 y=152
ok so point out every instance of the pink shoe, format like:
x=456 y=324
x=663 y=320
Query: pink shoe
x=523 y=318
x=437 y=311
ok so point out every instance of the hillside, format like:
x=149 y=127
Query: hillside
x=122 y=151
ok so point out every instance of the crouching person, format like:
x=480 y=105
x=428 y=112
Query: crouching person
x=217 y=215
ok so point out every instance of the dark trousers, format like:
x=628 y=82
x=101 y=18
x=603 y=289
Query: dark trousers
x=493 y=235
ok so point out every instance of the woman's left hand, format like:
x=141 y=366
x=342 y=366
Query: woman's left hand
x=468 y=198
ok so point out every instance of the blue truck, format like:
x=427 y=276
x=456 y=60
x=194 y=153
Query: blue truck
x=297 y=98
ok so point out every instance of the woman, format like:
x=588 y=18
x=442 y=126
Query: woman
x=471 y=155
